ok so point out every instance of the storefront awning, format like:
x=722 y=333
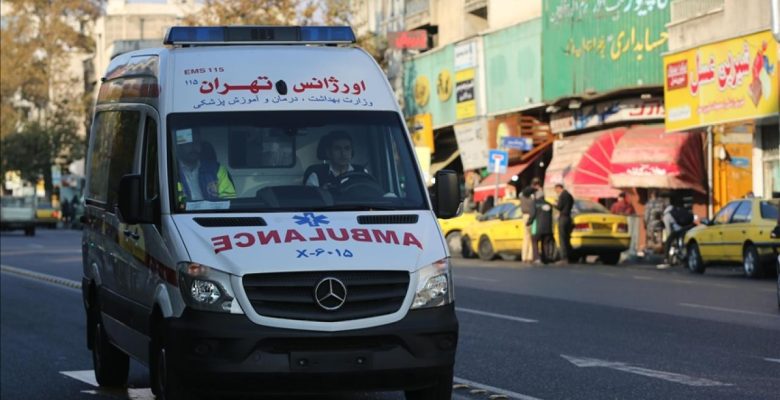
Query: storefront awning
x=487 y=186
x=647 y=157
x=582 y=164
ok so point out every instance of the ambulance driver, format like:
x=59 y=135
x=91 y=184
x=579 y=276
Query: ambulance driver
x=201 y=177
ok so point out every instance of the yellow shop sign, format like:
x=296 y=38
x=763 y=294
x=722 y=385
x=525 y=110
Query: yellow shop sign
x=726 y=81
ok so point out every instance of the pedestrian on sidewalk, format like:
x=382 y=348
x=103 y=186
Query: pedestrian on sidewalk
x=565 y=226
x=527 y=206
x=542 y=231
x=624 y=207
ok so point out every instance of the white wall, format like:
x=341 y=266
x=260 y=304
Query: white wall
x=504 y=13
x=736 y=18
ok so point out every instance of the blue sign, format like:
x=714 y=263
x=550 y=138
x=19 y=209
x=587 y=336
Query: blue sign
x=498 y=160
x=517 y=143
x=739 y=161
x=311 y=219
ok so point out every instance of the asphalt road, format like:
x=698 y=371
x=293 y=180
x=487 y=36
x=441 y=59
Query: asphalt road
x=549 y=332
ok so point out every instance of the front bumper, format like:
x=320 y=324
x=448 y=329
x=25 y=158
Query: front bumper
x=229 y=353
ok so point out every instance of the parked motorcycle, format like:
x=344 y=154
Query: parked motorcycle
x=676 y=253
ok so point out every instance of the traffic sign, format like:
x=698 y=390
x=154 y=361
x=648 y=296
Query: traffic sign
x=498 y=160
x=517 y=143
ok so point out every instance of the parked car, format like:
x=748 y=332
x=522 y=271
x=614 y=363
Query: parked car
x=740 y=232
x=596 y=232
x=47 y=215
x=18 y=212
x=452 y=228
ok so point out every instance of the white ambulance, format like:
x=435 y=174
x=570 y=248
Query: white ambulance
x=256 y=221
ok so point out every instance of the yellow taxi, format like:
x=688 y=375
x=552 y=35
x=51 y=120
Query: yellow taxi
x=596 y=232
x=452 y=228
x=46 y=214
x=740 y=232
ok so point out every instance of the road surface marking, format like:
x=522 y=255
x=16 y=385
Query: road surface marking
x=583 y=362
x=26 y=273
x=477 y=279
x=493 y=389
x=88 y=377
x=775 y=360
x=494 y=315
x=731 y=310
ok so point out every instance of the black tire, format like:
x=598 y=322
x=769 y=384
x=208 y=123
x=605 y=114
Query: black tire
x=167 y=382
x=465 y=248
x=610 y=258
x=442 y=390
x=485 y=249
x=455 y=243
x=751 y=264
x=111 y=364
x=694 y=260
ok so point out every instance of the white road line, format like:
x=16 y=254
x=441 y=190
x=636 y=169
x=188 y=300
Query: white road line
x=507 y=393
x=664 y=375
x=87 y=376
x=473 y=278
x=774 y=360
x=731 y=310
x=494 y=315
x=26 y=273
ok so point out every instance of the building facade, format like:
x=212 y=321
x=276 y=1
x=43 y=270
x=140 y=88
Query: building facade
x=721 y=78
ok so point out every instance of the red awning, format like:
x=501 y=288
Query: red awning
x=647 y=157
x=487 y=186
x=582 y=164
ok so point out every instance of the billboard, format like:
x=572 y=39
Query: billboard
x=721 y=82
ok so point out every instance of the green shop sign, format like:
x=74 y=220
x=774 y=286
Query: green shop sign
x=602 y=45
x=429 y=83
x=513 y=64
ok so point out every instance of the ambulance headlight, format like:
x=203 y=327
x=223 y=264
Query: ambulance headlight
x=205 y=288
x=434 y=287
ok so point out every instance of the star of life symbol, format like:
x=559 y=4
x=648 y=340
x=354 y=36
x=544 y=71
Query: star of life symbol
x=330 y=294
x=310 y=219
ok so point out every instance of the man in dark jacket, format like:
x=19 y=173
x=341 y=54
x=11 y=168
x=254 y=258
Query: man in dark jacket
x=541 y=221
x=564 y=206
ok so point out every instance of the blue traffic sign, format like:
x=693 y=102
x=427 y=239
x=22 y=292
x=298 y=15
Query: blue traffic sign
x=498 y=160
x=517 y=143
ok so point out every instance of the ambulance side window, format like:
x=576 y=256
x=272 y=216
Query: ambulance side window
x=112 y=154
x=122 y=153
x=150 y=171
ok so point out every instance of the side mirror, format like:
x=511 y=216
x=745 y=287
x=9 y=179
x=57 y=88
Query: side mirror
x=131 y=205
x=446 y=203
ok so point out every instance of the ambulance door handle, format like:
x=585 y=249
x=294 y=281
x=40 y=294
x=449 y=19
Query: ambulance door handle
x=131 y=234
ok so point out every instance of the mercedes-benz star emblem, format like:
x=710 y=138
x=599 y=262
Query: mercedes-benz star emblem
x=330 y=294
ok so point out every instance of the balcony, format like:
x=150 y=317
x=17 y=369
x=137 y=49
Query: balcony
x=477 y=7
x=417 y=13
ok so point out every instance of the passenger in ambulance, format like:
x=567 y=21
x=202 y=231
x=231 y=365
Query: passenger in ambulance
x=201 y=177
x=336 y=150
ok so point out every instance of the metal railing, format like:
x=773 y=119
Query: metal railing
x=687 y=9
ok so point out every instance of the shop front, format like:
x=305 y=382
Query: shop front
x=513 y=81
x=730 y=90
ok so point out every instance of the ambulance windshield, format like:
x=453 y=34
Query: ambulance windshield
x=292 y=161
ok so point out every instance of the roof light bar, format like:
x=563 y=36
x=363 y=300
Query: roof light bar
x=212 y=35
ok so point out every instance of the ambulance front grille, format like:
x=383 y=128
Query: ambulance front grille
x=290 y=295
